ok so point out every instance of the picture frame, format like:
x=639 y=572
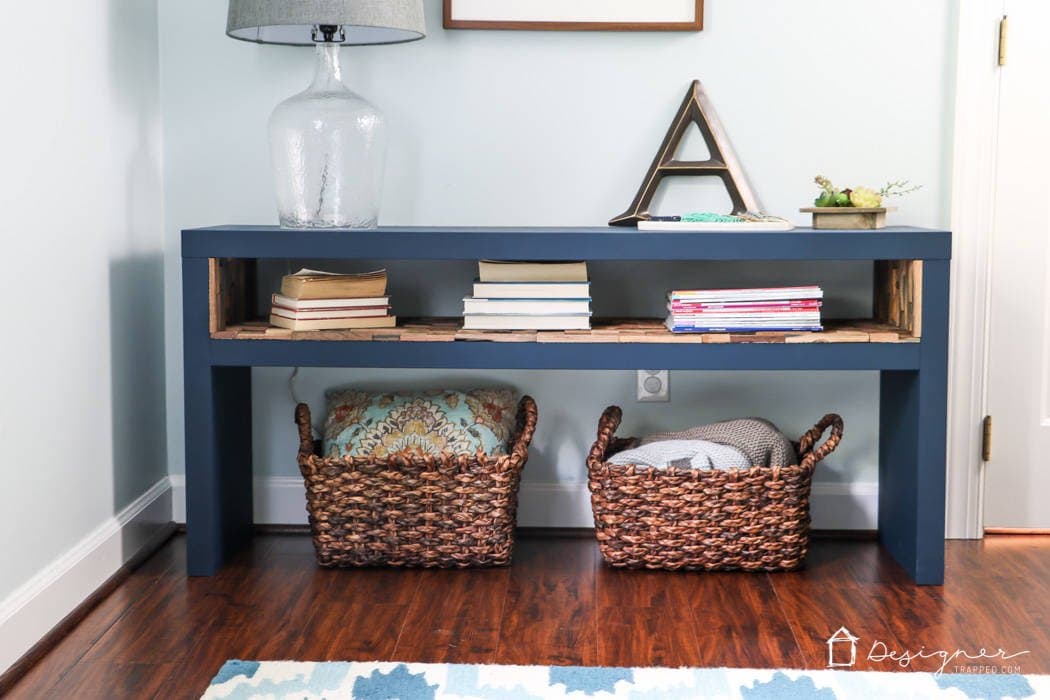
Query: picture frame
x=578 y=15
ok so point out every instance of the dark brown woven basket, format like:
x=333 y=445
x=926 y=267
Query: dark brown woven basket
x=454 y=510
x=753 y=519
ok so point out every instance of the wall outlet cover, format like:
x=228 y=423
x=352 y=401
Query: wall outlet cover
x=654 y=385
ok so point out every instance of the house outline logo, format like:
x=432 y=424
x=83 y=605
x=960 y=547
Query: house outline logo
x=840 y=638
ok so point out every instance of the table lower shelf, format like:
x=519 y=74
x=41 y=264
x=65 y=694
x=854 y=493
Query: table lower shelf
x=635 y=344
x=446 y=330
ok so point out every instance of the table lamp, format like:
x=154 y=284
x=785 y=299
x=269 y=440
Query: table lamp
x=327 y=143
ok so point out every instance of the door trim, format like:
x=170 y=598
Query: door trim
x=975 y=159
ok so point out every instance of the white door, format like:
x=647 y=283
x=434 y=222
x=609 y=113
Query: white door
x=1017 y=479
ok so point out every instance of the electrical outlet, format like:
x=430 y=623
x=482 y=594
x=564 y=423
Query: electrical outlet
x=654 y=385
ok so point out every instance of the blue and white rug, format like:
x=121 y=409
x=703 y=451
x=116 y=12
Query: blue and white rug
x=241 y=680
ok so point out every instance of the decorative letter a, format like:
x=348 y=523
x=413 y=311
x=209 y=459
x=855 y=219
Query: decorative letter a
x=695 y=109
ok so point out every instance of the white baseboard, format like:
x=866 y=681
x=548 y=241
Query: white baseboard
x=852 y=506
x=553 y=504
x=278 y=500
x=281 y=500
x=33 y=609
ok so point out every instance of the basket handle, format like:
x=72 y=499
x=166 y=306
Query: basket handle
x=528 y=414
x=306 y=432
x=607 y=426
x=807 y=442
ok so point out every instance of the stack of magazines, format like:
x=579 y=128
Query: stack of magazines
x=745 y=310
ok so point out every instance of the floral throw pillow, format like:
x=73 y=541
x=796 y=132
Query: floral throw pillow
x=374 y=424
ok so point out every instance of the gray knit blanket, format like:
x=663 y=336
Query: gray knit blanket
x=760 y=441
x=684 y=454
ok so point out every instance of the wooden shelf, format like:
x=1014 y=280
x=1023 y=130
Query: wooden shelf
x=447 y=330
x=897 y=294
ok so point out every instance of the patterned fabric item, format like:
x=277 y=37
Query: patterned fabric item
x=761 y=441
x=339 y=680
x=379 y=425
x=685 y=454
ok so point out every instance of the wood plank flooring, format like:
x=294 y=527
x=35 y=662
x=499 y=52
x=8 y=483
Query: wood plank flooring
x=161 y=634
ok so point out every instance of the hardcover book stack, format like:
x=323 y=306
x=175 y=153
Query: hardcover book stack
x=745 y=310
x=312 y=301
x=529 y=296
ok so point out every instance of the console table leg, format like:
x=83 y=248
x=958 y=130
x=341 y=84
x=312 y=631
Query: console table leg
x=912 y=443
x=218 y=439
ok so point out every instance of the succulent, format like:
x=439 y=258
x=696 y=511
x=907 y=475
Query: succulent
x=865 y=197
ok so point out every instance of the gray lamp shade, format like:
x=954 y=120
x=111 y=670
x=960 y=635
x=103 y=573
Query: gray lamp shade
x=292 y=21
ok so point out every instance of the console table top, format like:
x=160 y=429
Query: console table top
x=566 y=242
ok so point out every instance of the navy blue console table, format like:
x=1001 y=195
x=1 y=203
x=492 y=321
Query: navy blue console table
x=911 y=269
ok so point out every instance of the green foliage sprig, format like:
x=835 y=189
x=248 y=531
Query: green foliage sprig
x=898 y=188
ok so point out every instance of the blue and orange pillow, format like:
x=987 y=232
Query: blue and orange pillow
x=413 y=424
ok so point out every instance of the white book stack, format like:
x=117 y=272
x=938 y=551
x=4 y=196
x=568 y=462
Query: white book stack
x=529 y=296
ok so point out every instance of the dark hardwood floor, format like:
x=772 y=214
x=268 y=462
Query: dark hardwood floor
x=162 y=634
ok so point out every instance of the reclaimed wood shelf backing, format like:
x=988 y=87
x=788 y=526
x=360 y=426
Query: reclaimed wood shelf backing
x=639 y=330
x=898 y=294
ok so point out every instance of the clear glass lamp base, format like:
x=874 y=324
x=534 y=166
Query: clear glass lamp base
x=327 y=145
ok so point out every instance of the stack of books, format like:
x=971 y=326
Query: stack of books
x=745 y=310
x=529 y=296
x=312 y=301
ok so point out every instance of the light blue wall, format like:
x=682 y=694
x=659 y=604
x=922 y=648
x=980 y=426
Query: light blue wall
x=558 y=128
x=82 y=240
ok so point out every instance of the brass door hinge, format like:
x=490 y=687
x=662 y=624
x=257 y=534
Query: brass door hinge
x=986 y=439
x=1002 y=41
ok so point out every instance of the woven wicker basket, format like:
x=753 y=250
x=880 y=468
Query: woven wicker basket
x=753 y=519
x=455 y=510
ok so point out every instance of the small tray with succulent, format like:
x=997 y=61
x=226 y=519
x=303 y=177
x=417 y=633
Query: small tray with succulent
x=853 y=208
